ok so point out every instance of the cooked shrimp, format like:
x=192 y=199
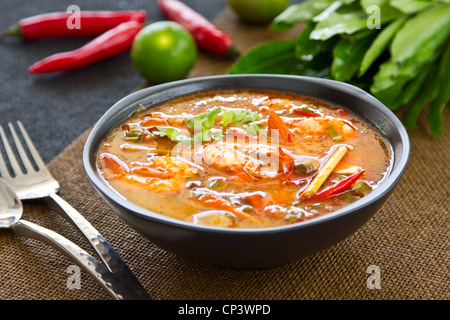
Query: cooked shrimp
x=161 y=173
x=235 y=158
x=224 y=156
x=276 y=123
x=161 y=120
x=113 y=163
x=277 y=104
x=258 y=161
x=320 y=125
x=163 y=167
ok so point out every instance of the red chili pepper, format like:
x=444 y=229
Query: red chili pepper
x=207 y=36
x=339 y=187
x=342 y=112
x=109 y=44
x=306 y=113
x=55 y=25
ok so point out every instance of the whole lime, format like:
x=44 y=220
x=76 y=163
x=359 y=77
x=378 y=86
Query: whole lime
x=258 y=11
x=163 y=51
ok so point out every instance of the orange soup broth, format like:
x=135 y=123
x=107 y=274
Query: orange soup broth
x=263 y=201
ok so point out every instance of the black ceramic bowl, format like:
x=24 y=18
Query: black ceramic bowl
x=252 y=248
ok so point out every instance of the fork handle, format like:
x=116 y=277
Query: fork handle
x=109 y=256
x=113 y=285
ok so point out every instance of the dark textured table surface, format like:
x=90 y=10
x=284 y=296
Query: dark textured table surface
x=55 y=109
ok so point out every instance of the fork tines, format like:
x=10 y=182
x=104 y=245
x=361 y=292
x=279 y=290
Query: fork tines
x=23 y=155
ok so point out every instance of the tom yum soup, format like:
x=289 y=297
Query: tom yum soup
x=243 y=159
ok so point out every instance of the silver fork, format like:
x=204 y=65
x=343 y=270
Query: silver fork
x=37 y=184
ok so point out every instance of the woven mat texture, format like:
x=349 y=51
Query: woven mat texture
x=408 y=239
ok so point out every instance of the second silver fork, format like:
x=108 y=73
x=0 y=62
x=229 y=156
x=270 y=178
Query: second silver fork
x=39 y=183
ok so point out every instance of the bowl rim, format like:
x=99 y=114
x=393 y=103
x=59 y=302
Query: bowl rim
x=382 y=190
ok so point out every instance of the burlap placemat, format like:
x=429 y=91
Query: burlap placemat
x=407 y=240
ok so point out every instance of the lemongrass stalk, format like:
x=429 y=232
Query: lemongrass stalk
x=323 y=174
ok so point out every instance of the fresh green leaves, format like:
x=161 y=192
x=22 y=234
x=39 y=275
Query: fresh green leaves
x=204 y=121
x=387 y=12
x=347 y=57
x=306 y=49
x=252 y=128
x=174 y=134
x=435 y=117
x=402 y=59
x=380 y=44
x=171 y=133
x=238 y=116
x=270 y=57
x=242 y=118
x=285 y=57
x=427 y=28
x=202 y=125
x=411 y=6
x=340 y=22
x=300 y=12
x=425 y=95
